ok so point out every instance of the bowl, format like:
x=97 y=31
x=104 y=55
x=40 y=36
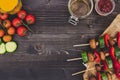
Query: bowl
x=103 y=13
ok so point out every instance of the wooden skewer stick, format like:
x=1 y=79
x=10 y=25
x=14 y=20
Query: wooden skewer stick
x=75 y=59
x=81 y=72
x=79 y=45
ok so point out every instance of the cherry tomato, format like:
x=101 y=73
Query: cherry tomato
x=22 y=14
x=30 y=19
x=3 y=16
x=2 y=33
x=11 y=31
x=16 y=22
x=22 y=31
x=7 y=23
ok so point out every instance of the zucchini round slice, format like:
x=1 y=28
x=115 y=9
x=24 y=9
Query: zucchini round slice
x=2 y=48
x=84 y=56
x=11 y=46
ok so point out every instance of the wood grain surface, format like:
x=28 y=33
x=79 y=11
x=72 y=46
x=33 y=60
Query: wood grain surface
x=54 y=35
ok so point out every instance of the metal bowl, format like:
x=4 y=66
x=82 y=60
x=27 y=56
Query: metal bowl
x=74 y=19
x=101 y=13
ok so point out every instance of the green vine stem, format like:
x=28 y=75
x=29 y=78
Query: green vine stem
x=27 y=26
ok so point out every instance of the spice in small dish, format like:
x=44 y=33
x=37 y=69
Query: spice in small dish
x=80 y=8
x=105 y=6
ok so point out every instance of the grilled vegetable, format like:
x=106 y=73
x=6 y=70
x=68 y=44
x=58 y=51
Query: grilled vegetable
x=101 y=42
x=84 y=56
x=118 y=39
x=117 y=52
x=93 y=44
x=109 y=62
x=106 y=40
x=104 y=76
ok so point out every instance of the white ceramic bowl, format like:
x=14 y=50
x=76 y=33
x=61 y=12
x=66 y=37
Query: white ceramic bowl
x=101 y=13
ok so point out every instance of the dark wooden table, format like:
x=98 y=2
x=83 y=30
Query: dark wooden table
x=54 y=34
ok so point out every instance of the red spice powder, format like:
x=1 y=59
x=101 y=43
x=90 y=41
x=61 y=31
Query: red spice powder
x=105 y=6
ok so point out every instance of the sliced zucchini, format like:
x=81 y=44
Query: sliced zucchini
x=2 y=48
x=11 y=46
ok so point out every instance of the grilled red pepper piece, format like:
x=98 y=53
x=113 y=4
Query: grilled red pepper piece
x=99 y=76
x=118 y=39
x=112 y=53
x=97 y=57
x=105 y=66
x=106 y=38
x=117 y=68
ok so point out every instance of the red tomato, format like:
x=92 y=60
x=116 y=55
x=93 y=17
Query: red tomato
x=16 y=22
x=22 y=31
x=7 y=23
x=22 y=14
x=3 y=16
x=2 y=33
x=30 y=19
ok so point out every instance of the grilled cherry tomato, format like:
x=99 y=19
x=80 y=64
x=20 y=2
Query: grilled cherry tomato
x=118 y=39
x=97 y=57
x=101 y=42
x=84 y=56
x=3 y=16
x=16 y=22
x=106 y=40
x=30 y=19
x=22 y=14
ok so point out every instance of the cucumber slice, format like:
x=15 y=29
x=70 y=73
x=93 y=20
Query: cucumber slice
x=2 y=48
x=11 y=46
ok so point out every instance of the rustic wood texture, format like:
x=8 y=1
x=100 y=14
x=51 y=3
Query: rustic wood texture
x=53 y=32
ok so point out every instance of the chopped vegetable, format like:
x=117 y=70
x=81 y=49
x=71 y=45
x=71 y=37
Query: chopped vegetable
x=109 y=62
x=106 y=40
x=101 y=42
x=105 y=66
x=97 y=57
x=112 y=53
x=2 y=48
x=104 y=76
x=11 y=46
x=84 y=56
x=92 y=44
x=117 y=52
x=118 y=39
